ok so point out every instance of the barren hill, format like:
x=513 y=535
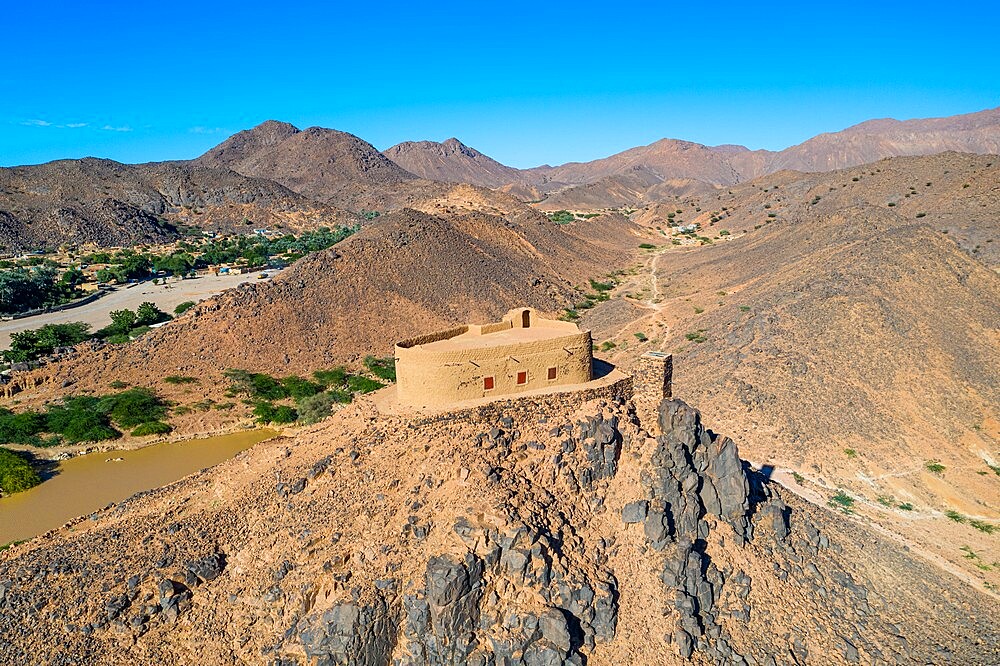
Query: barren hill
x=113 y=204
x=850 y=341
x=451 y=162
x=323 y=164
x=537 y=532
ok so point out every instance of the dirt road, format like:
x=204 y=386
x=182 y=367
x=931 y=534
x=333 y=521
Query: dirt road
x=166 y=297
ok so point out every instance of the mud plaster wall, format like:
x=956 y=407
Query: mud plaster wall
x=434 y=379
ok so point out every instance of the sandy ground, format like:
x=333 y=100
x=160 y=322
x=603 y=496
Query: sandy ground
x=166 y=297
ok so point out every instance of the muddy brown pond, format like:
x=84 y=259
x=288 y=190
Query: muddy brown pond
x=89 y=482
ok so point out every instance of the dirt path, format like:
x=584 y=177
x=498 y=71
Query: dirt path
x=810 y=493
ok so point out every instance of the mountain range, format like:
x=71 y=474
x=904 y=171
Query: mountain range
x=278 y=175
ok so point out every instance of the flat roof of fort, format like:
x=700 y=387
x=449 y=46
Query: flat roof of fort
x=476 y=338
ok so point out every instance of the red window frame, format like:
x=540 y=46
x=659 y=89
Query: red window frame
x=488 y=384
x=522 y=377
x=553 y=373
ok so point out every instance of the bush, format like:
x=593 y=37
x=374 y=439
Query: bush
x=16 y=473
x=641 y=337
x=561 y=217
x=133 y=407
x=607 y=345
x=184 y=307
x=268 y=413
x=151 y=428
x=20 y=428
x=842 y=501
x=80 y=419
x=179 y=379
x=317 y=407
x=383 y=368
x=906 y=506
x=332 y=377
x=934 y=466
x=299 y=388
x=257 y=386
x=359 y=384
x=33 y=344
x=601 y=286
x=955 y=515
x=647 y=246
x=696 y=336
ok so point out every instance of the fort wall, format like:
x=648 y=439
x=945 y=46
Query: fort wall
x=521 y=353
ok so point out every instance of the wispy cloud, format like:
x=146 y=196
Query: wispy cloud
x=207 y=130
x=38 y=122
x=112 y=128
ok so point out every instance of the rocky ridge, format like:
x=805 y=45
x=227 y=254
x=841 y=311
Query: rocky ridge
x=536 y=533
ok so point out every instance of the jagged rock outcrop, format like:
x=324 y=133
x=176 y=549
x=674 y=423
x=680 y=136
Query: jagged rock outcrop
x=529 y=534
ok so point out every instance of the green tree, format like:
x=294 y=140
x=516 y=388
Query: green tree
x=35 y=343
x=148 y=314
x=122 y=321
x=16 y=473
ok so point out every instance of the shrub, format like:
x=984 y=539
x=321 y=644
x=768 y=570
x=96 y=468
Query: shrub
x=607 y=345
x=332 y=377
x=20 y=428
x=799 y=479
x=184 y=307
x=360 y=384
x=744 y=308
x=921 y=214
x=133 y=407
x=383 y=368
x=698 y=310
x=724 y=232
x=601 y=286
x=842 y=501
x=151 y=428
x=934 y=466
x=955 y=515
x=268 y=413
x=561 y=217
x=696 y=336
x=118 y=385
x=647 y=246
x=80 y=419
x=641 y=337
x=982 y=526
x=16 y=473
x=317 y=407
x=906 y=506
x=33 y=344
x=179 y=379
x=850 y=453
x=299 y=388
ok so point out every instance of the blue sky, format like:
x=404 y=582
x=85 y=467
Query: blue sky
x=525 y=82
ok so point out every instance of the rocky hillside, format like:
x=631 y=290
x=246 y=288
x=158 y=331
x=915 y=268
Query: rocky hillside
x=112 y=204
x=451 y=162
x=552 y=532
x=851 y=342
x=323 y=164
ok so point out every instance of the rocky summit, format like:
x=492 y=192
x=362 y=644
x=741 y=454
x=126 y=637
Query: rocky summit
x=566 y=529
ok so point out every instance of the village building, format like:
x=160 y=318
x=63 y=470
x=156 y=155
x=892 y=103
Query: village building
x=522 y=352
